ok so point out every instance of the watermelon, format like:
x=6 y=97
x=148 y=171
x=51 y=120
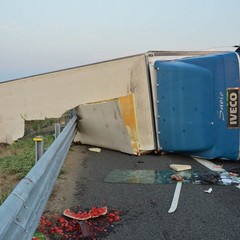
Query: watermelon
x=93 y=213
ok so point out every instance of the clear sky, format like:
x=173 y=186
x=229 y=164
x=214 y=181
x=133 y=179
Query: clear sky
x=38 y=36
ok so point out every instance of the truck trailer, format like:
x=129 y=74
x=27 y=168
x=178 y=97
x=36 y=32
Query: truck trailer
x=163 y=101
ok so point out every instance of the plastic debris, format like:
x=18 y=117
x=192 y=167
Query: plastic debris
x=97 y=150
x=209 y=190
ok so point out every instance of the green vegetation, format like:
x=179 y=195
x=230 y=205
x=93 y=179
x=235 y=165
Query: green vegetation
x=16 y=160
x=4 y=195
x=37 y=127
x=17 y=163
x=22 y=157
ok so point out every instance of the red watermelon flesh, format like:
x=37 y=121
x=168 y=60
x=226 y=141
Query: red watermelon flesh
x=79 y=216
x=97 y=212
x=83 y=216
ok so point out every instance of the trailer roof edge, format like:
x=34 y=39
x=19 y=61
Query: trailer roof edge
x=149 y=53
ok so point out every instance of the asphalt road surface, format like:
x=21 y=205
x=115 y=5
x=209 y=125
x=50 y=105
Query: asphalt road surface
x=199 y=215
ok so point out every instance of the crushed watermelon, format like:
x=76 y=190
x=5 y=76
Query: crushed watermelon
x=65 y=227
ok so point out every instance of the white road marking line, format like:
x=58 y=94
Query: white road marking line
x=175 y=197
x=211 y=166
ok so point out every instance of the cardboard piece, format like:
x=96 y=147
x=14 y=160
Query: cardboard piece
x=180 y=167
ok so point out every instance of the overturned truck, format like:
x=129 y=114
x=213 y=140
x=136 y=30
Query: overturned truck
x=184 y=102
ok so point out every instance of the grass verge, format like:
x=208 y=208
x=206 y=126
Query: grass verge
x=17 y=163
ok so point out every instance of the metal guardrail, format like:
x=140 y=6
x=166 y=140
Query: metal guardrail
x=22 y=210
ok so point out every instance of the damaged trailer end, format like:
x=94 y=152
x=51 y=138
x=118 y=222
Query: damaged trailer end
x=117 y=82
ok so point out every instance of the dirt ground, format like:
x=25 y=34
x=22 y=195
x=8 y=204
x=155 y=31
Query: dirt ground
x=63 y=193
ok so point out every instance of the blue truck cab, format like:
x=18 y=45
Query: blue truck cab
x=198 y=105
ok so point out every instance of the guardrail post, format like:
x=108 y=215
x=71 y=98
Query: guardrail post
x=39 y=147
x=57 y=129
x=72 y=113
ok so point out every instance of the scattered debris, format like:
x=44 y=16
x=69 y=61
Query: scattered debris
x=180 y=167
x=177 y=177
x=97 y=150
x=168 y=176
x=207 y=177
x=229 y=179
x=209 y=190
x=234 y=172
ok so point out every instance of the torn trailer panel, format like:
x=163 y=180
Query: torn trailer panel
x=109 y=124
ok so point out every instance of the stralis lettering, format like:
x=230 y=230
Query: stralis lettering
x=233 y=108
x=221 y=102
